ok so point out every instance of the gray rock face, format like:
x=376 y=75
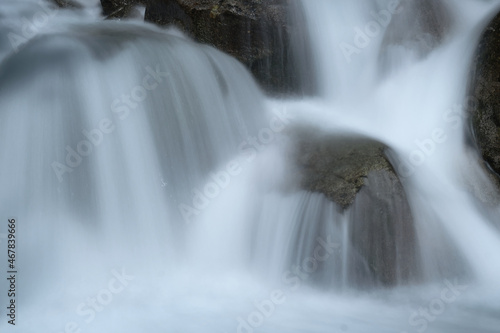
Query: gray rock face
x=485 y=86
x=355 y=173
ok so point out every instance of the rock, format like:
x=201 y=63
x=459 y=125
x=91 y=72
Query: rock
x=485 y=86
x=119 y=8
x=355 y=173
x=338 y=167
x=168 y=12
x=67 y=4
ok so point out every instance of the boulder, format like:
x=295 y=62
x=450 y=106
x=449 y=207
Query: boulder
x=355 y=173
x=485 y=87
x=339 y=167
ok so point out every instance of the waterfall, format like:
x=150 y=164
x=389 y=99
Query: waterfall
x=155 y=186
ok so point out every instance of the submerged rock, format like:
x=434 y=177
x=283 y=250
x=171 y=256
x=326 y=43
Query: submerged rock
x=485 y=86
x=382 y=232
x=355 y=173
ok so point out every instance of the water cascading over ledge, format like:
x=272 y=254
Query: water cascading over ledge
x=121 y=123
x=286 y=232
x=269 y=37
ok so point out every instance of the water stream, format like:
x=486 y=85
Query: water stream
x=152 y=188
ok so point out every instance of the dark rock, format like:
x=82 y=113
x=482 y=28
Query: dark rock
x=120 y=8
x=168 y=12
x=67 y=4
x=355 y=173
x=485 y=86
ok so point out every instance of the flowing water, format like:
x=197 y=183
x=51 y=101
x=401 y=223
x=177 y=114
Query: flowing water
x=151 y=186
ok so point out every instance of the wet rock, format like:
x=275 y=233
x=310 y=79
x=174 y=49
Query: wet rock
x=168 y=12
x=339 y=167
x=119 y=8
x=485 y=87
x=355 y=173
x=382 y=232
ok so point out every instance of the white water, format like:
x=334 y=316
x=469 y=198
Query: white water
x=119 y=207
